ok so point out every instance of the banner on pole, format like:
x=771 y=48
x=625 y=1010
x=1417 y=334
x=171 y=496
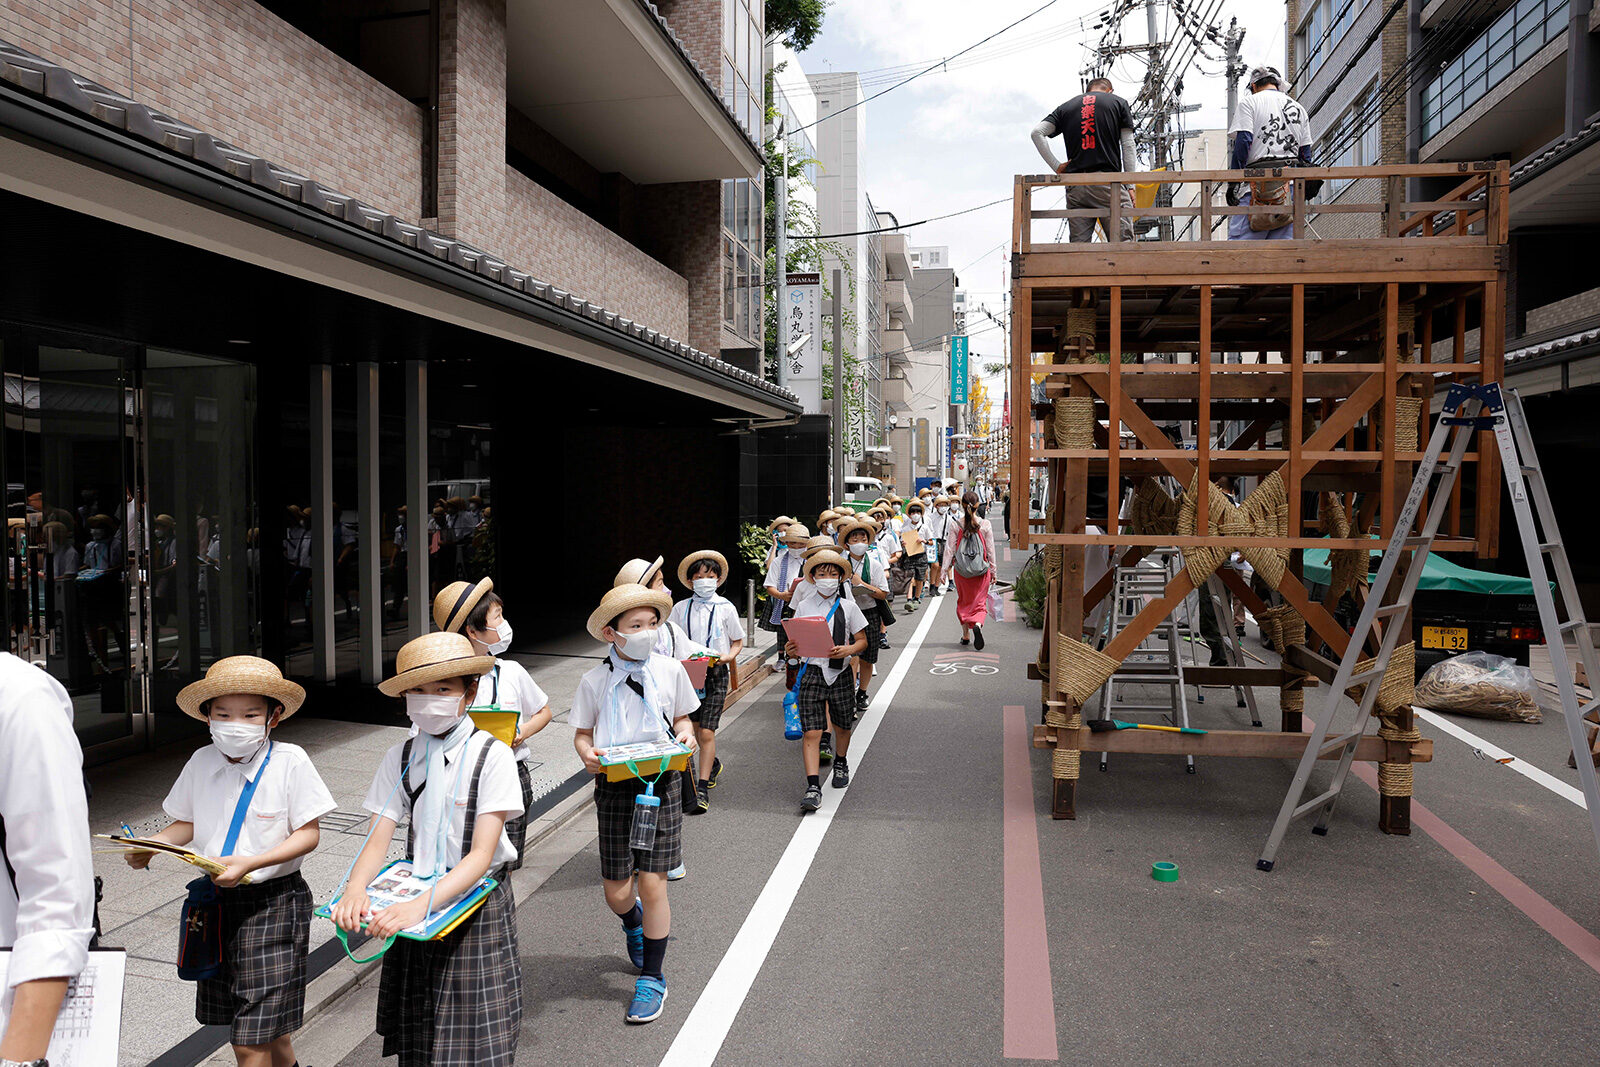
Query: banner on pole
x=804 y=365
x=958 y=369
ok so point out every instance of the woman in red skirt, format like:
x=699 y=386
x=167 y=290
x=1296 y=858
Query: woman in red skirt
x=969 y=555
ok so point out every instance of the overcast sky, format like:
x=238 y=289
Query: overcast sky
x=954 y=139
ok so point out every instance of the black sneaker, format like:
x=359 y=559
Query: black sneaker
x=702 y=799
x=1218 y=658
x=883 y=642
x=863 y=701
x=977 y=638
x=716 y=771
x=841 y=773
x=812 y=799
x=966 y=641
x=825 y=748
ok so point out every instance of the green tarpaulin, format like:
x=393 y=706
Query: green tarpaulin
x=1438 y=573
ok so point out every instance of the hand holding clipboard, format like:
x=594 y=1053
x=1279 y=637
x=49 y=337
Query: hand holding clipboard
x=810 y=635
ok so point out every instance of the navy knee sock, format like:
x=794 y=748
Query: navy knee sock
x=633 y=918
x=655 y=950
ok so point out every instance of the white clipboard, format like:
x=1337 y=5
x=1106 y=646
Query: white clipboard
x=90 y=1022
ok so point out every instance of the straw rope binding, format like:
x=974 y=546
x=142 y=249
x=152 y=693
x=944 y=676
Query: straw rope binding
x=1081 y=669
x=1074 y=423
x=1407 y=413
x=1396 y=688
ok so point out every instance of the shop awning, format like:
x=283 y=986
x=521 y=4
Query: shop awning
x=1438 y=574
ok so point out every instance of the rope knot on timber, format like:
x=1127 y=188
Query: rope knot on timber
x=1286 y=629
x=1397 y=687
x=1264 y=513
x=1081 y=668
x=1407 y=413
x=1348 y=566
x=1074 y=422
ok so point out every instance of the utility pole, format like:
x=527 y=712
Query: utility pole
x=1235 y=65
x=781 y=212
x=838 y=385
x=1155 y=74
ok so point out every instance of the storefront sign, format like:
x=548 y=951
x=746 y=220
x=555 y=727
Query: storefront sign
x=958 y=369
x=804 y=367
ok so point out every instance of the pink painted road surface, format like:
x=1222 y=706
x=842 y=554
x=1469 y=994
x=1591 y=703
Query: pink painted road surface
x=1030 y=1018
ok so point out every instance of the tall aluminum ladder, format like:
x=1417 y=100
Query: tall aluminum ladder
x=1158 y=661
x=1215 y=597
x=1467 y=410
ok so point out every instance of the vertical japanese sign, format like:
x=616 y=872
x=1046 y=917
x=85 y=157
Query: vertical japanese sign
x=804 y=366
x=958 y=369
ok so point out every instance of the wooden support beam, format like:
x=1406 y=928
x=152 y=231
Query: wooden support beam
x=1297 y=403
x=1246 y=744
x=1150 y=616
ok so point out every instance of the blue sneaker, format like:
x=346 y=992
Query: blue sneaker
x=677 y=873
x=649 y=996
x=635 y=942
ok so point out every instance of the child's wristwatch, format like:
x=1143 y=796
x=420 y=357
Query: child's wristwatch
x=40 y=1062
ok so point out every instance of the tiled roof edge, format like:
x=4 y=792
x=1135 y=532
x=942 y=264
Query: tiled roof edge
x=63 y=88
x=705 y=78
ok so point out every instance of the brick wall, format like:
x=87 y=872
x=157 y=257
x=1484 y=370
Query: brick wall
x=685 y=222
x=239 y=72
x=1392 y=137
x=1585 y=305
x=698 y=24
x=472 y=121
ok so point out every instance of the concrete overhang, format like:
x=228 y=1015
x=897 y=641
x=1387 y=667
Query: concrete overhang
x=897 y=255
x=607 y=79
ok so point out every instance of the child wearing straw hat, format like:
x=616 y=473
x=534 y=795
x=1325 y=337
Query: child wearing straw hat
x=635 y=695
x=776 y=529
x=456 y=1000
x=671 y=639
x=827 y=691
x=869 y=587
x=476 y=610
x=253 y=803
x=941 y=524
x=916 y=564
x=711 y=619
x=782 y=574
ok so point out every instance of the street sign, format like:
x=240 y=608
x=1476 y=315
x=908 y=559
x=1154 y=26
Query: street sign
x=920 y=435
x=804 y=366
x=958 y=369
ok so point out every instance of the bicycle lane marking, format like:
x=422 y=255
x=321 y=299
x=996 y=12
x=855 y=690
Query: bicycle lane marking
x=706 y=1027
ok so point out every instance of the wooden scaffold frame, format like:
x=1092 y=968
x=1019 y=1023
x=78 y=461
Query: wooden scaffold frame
x=1342 y=344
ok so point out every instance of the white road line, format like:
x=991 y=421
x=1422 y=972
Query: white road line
x=1493 y=751
x=706 y=1028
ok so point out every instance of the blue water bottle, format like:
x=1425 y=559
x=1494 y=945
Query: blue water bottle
x=791 y=710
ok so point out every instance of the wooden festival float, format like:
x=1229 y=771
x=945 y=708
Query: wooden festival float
x=1336 y=348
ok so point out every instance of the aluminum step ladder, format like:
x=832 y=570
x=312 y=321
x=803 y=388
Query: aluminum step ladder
x=1467 y=410
x=1158 y=661
x=1215 y=597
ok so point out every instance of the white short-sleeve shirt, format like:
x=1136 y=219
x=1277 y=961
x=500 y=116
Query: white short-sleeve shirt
x=1276 y=123
x=695 y=621
x=499 y=790
x=511 y=686
x=814 y=603
x=674 y=695
x=289 y=795
x=873 y=568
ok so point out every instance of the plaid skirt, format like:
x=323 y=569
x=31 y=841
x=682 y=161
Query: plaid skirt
x=708 y=716
x=613 y=806
x=819 y=701
x=517 y=828
x=266 y=933
x=874 y=631
x=456 y=1002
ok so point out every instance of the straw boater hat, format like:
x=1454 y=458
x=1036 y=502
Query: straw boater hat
x=621 y=599
x=687 y=566
x=940 y=500
x=638 y=572
x=829 y=556
x=431 y=657
x=796 y=532
x=857 y=524
x=241 y=674
x=897 y=500
x=455 y=603
x=781 y=520
x=823 y=543
x=825 y=517
x=918 y=504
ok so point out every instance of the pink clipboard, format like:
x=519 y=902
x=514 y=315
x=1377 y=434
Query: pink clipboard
x=697 y=669
x=811 y=634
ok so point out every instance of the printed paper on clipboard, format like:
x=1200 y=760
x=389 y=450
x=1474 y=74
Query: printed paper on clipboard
x=396 y=884
x=811 y=634
x=90 y=1020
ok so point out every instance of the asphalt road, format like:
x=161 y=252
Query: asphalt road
x=909 y=927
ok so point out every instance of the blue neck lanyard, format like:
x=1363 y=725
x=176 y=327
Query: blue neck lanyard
x=243 y=806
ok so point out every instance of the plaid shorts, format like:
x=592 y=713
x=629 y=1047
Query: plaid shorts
x=708 y=716
x=819 y=701
x=266 y=933
x=613 y=806
x=918 y=568
x=517 y=828
x=874 y=631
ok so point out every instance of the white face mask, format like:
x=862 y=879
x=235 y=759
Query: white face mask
x=236 y=740
x=941 y=510
x=636 y=645
x=915 y=519
x=797 y=551
x=504 y=631
x=858 y=548
x=434 y=713
x=828 y=586
x=704 y=587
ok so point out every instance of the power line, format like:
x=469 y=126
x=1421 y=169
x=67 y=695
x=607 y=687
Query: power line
x=932 y=67
x=895 y=229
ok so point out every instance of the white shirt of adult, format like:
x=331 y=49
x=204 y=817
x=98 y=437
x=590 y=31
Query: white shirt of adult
x=669 y=686
x=514 y=690
x=811 y=602
x=499 y=790
x=1276 y=123
x=289 y=795
x=695 y=621
x=47 y=918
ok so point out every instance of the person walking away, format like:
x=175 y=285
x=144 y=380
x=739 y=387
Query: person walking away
x=476 y=610
x=970 y=556
x=915 y=563
x=635 y=695
x=1097 y=129
x=1005 y=511
x=869 y=580
x=1269 y=129
x=710 y=619
x=47 y=881
x=253 y=803
x=827 y=695
x=455 y=1001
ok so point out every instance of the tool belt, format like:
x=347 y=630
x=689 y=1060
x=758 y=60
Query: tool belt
x=1270 y=192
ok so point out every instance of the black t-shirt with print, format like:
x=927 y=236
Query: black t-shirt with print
x=1092 y=125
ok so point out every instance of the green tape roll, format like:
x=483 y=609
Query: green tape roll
x=1164 y=872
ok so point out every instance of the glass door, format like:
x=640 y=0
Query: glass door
x=74 y=602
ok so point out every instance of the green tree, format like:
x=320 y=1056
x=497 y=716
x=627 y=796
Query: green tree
x=795 y=22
